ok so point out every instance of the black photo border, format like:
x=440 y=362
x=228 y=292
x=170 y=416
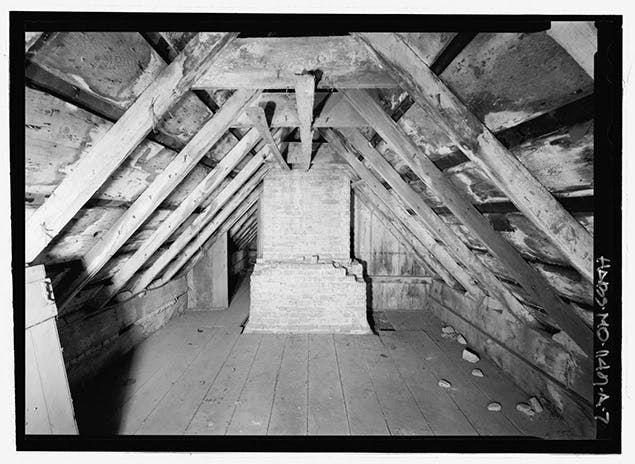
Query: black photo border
x=607 y=219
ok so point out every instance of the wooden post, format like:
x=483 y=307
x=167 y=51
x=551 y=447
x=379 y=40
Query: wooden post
x=304 y=96
x=208 y=280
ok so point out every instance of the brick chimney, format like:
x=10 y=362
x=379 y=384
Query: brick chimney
x=304 y=280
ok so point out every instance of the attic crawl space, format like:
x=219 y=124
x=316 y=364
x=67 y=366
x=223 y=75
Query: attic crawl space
x=365 y=233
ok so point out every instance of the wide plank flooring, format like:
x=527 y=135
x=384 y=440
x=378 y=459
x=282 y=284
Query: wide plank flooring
x=199 y=375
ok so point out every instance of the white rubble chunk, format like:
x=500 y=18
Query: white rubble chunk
x=494 y=406
x=461 y=339
x=525 y=409
x=477 y=373
x=444 y=384
x=535 y=404
x=470 y=356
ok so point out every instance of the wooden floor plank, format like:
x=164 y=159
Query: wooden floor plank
x=252 y=413
x=289 y=412
x=141 y=404
x=217 y=407
x=198 y=375
x=497 y=386
x=399 y=407
x=175 y=411
x=326 y=408
x=440 y=410
x=364 y=411
x=120 y=381
x=148 y=356
x=467 y=396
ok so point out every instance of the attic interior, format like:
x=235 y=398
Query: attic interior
x=363 y=234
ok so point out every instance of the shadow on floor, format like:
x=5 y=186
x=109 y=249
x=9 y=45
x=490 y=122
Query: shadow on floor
x=98 y=402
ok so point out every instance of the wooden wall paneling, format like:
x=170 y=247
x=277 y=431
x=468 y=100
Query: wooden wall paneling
x=424 y=264
x=423 y=234
x=48 y=402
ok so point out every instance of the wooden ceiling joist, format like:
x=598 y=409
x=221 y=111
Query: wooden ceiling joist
x=248 y=196
x=305 y=96
x=333 y=111
x=462 y=208
x=164 y=183
x=259 y=120
x=112 y=149
x=479 y=144
x=274 y=63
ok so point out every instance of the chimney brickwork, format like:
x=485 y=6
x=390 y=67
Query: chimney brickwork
x=305 y=280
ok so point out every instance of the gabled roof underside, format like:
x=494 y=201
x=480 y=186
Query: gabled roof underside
x=474 y=150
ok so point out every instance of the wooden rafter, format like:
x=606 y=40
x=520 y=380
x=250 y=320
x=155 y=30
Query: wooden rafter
x=243 y=209
x=241 y=242
x=114 y=147
x=439 y=228
x=167 y=180
x=238 y=226
x=251 y=238
x=129 y=268
x=579 y=39
x=250 y=233
x=476 y=141
x=462 y=208
x=194 y=200
x=257 y=116
x=245 y=227
x=191 y=234
x=248 y=196
x=305 y=96
x=427 y=217
x=30 y=38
